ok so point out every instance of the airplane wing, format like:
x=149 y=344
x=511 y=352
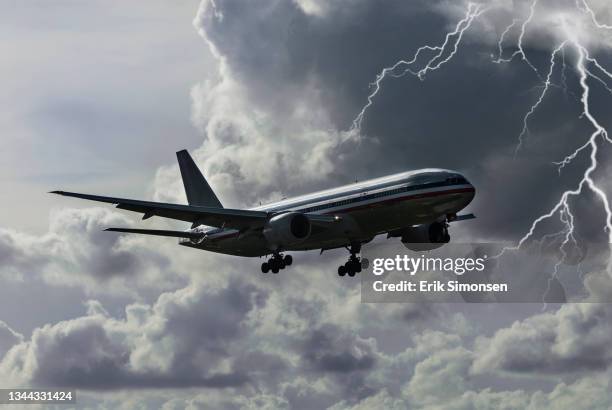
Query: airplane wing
x=211 y=216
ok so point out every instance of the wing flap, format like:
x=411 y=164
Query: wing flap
x=211 y=216
x=159 y=232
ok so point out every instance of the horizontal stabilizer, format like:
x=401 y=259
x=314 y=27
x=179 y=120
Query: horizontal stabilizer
x=160 y=232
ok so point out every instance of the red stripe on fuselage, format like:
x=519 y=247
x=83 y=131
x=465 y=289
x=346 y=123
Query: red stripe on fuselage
x=405 y=198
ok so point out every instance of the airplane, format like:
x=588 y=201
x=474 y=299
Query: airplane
x=415 y=206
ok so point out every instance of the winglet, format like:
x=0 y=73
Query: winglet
x=464 y=217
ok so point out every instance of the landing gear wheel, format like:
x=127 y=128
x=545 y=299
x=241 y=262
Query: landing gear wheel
x=348 y=267
x=276 y=263
x=354 y=264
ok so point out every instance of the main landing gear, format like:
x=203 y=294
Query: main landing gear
x=355 y=264
x=276 y=263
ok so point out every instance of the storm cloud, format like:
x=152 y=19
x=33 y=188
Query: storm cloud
x=293 y=79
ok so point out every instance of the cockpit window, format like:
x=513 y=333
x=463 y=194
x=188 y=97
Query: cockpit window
x=424 y=178
x=456 y=180
x=436 y=179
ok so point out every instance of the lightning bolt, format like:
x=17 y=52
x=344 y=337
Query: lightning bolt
x=545 y=88
x=586 y=67
x=448 y=47
x=519 y=45
x=567 y=218
x=562 y=205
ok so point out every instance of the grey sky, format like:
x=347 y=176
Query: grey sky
x=100 y=95
x=91 y=89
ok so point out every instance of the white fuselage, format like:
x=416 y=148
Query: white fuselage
x=366 y=209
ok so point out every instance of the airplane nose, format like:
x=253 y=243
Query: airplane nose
x=471 y=193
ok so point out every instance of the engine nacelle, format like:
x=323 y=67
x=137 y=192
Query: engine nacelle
x=287 y=229
x=425 y=237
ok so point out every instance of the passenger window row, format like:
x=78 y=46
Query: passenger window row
x=449 y=181
x=367 y=197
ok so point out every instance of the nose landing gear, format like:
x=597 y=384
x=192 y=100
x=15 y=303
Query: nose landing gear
x=355 y=264
x=276 y=263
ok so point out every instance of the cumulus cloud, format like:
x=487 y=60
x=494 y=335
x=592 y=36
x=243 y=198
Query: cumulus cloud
x=573 y=339
x=184 y=340
x=444 y=381
x=76 y=252
x=446 y=368
x=258 y=144
x=239 y=335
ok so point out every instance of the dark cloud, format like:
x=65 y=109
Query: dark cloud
x=279 y=53
x=346 y=357
x=327 y=349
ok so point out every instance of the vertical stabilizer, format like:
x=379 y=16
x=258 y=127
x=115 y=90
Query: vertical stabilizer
x=198 y=191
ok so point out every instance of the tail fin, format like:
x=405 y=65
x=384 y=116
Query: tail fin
x=197 y=189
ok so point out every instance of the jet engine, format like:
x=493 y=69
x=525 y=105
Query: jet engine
x=287 y=229
x=423 y=237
